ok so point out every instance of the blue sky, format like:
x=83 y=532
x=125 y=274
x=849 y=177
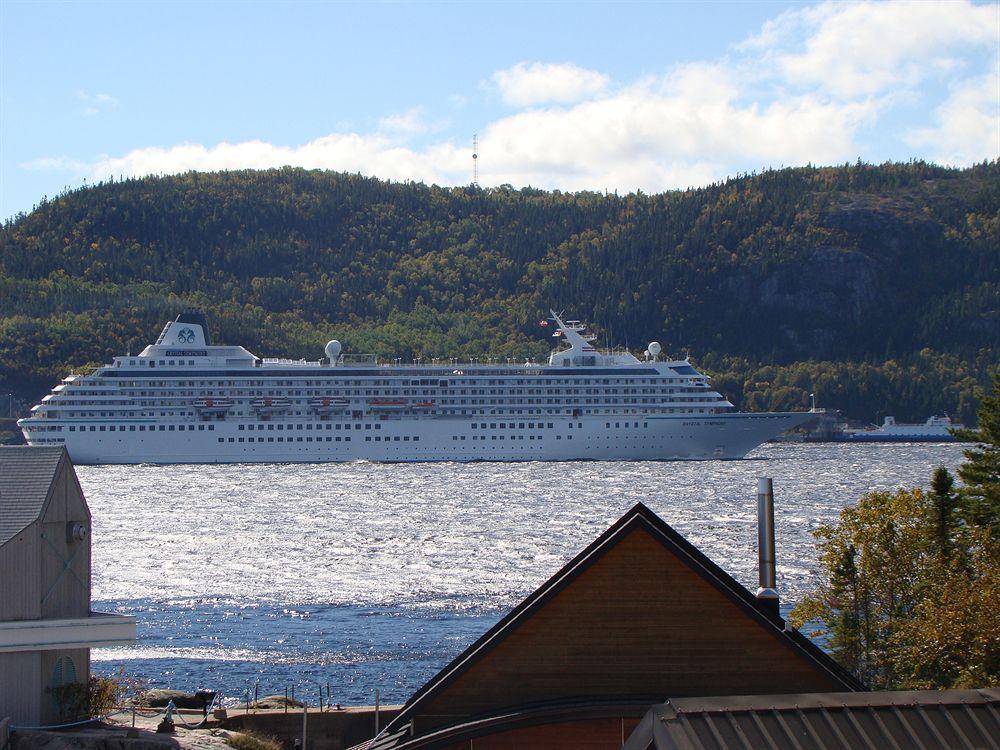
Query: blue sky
x=573 y=96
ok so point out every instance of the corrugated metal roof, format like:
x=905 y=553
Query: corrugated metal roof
x=896 y=720
x=26 y=473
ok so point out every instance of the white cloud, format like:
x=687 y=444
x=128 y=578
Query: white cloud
x=93 y=104
x=811 y=87
x=658 y=137
x=524 y=85
x=653 y=135
x=409 y=122
x=57 y=164
x=376 y=154
x=864 y=48
x=967 y=124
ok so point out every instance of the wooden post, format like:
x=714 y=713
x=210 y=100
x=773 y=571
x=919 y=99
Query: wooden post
x=305 y=717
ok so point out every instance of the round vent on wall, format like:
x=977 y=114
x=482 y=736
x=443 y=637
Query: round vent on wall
x=76 y=531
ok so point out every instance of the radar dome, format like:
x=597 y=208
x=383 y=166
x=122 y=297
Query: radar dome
x=654 y=348
x=333 y=350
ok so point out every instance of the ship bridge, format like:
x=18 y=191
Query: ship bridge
x=184 y=339
x=581 y=351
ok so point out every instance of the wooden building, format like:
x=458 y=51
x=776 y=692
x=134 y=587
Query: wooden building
x=638 y=617
x=46 y=626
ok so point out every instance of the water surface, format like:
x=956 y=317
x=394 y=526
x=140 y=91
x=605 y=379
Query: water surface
x=367 y=575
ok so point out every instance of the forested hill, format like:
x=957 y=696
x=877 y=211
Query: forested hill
x=876 y=287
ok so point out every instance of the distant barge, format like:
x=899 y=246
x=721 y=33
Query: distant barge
x=934 y=430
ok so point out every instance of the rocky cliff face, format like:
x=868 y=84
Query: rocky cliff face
x=830 y=292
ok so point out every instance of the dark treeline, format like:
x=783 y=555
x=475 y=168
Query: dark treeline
x=875 y=287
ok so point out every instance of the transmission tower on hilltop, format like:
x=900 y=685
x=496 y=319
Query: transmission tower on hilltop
x=475 y=159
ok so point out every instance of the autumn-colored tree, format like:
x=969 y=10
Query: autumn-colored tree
x=950 y=638
x=912 y=579
x=873 y=558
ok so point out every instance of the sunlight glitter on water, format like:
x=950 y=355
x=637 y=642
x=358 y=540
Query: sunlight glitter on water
x=279 y=567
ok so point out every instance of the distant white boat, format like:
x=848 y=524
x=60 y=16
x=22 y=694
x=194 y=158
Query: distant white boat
x=934 y=430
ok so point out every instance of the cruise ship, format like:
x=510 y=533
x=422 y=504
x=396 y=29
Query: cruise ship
x=186 y=400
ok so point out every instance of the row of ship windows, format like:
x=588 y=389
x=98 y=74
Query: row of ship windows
x=57 y=414
x=556 y=397
x=508 y=437
x=392 y=383
x=203 y=427
x=155 y=362
x=164 y=402
x=123 y=428
x=309 y=426
x=307 y=439
x=542 y=425
x=73 y=398
x=271 y=389
x=327 y=439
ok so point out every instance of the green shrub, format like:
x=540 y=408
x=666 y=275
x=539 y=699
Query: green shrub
x=97 y=697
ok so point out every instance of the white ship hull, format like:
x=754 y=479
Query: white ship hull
x=633 y=438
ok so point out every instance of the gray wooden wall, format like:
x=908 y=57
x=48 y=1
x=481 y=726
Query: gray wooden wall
x=44 y=575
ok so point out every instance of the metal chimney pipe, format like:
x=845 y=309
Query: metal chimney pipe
x=767 y=594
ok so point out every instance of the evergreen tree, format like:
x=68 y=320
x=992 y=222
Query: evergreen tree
x=944 y=500
x=980 y=473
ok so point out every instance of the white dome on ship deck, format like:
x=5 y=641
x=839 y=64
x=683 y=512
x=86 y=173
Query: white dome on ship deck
x=654 y=348
x=333 y=350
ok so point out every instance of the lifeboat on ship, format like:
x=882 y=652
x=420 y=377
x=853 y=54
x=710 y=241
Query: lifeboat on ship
x=425 y=405
x=210 y=405
x=386 y=404
x=327 y=405
x=270 y=405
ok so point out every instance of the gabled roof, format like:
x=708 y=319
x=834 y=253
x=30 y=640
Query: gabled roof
x=26 y=477
x=832 y=721
x=638 y=517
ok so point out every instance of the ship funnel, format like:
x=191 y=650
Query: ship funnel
x=767 y=594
